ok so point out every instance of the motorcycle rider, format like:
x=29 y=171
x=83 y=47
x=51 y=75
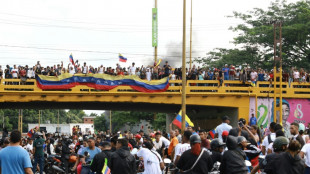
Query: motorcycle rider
x=233 y=158
x=189 y=158
x=279 y=146
x=217 y=148
x=65 y=155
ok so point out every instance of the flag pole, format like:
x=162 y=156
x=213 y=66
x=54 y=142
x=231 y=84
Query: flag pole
x=183 y=68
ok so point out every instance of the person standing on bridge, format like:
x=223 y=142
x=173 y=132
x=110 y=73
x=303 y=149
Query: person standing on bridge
x=15 y=159
x=222 y=127
x=132 y=69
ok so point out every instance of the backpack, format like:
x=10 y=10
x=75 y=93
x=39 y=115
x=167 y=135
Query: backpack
x=269 y=139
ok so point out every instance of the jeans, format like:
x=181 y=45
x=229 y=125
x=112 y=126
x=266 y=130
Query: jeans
x=290 y=80
x=231 y=77
x=307 y=170
x=86 y=170
x=226 y=77
x=40 y=160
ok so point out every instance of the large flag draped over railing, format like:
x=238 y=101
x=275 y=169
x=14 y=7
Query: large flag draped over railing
x=101 y=82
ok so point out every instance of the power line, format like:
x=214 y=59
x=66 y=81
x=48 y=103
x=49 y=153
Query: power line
x=83 y=22
x=75 y=50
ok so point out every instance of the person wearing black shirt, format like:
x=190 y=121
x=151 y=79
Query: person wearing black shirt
x=99 y=159
x=217 y=147
x=189 y=157
x=167 y=69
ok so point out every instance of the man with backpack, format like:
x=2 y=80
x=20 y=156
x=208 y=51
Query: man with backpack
x=270 y=138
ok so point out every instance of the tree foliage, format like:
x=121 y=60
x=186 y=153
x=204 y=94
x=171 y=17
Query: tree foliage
x=32 y=116
x=100 y=122
x=256 y=38
x=131 y=118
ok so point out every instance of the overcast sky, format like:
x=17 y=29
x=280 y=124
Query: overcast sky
x=96 y=31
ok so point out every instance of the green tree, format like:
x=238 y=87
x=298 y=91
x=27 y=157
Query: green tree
x=100 y=122
x=255 y=38
x=256 y=31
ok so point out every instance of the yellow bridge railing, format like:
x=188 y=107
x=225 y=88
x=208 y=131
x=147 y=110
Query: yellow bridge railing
x=194 y=87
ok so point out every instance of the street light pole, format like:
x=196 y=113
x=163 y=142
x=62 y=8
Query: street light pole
x=183 y=68
x=110 y=121
x=39 y=119
x=155 y=51
x=191 y=35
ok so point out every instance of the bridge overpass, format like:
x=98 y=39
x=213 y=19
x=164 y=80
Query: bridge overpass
x=204 y=98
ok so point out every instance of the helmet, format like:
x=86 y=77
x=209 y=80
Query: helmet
x=72 y=159
x=241 y=139
x=279 y=142
x=216 y=143
x=195 y=139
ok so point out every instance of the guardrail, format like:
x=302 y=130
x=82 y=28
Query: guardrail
x=194 y=87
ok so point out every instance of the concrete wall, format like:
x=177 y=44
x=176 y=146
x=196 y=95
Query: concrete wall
x=64 y=128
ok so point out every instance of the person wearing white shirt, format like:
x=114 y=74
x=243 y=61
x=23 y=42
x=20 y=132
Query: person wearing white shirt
x=29 y=147
x=305 y=153
x=132 y=70
x=269 y=139
x=181 y=148
x=148 y=74
x=14 y=72
x=101 y=69
x=30 y=73
x=153 y=163
x=296 y=75
x=222 y=127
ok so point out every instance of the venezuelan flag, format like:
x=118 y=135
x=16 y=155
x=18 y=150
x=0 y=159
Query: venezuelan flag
x=71 y=59
x=178 y=121
x=122 y=58
x=101 y=82
x=212 y=133
x=106 y=169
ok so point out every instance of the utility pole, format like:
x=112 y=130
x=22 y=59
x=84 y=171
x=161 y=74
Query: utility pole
x=3 y=122
x=183 y=68
x=110 y=121
x=277 y=94
x=39 y=119
x=58 y=118
x=191 y=35
x=21 y=121
x=155 y=30
x=18 y=120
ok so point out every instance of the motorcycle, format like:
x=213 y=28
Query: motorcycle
x=59 y=168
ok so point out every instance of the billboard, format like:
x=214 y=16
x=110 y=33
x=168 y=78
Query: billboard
x=293 y=110
x=154 y=27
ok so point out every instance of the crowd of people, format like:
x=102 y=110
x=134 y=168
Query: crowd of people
x=154 y=72
x=194 y=151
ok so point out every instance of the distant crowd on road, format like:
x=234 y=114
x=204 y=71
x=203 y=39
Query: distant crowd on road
x=246 y=148
x=153 y=72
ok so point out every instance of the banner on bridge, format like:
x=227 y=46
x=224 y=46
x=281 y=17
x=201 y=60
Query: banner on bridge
x=101 y=82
